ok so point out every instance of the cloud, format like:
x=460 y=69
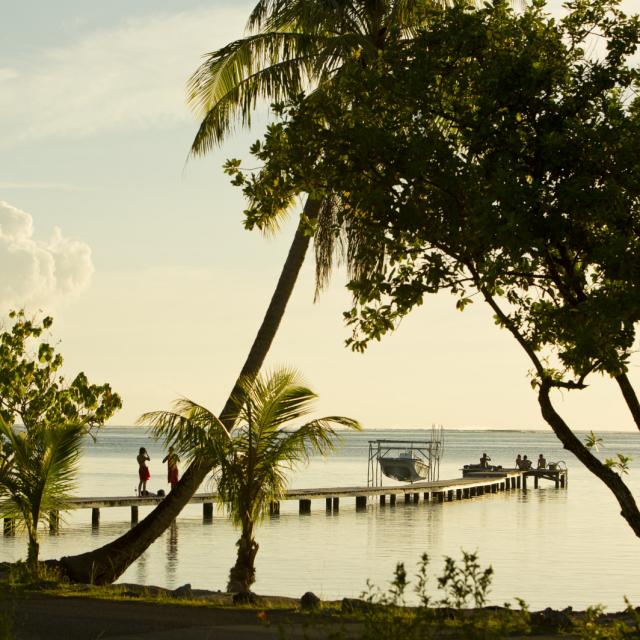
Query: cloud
x=34 y=272
x=132 y=76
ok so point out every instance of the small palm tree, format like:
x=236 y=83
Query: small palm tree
x=37 y=472
x=254 y=456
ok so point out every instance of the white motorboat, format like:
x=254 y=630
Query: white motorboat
x=406 y=467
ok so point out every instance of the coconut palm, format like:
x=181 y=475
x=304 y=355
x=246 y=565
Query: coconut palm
x=291 y=46
x=37 y=472
x=252 y=457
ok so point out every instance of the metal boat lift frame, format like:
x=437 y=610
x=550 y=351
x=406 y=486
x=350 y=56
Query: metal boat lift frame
x=429 y=451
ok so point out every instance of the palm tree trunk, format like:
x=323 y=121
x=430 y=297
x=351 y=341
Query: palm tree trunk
x=33 y=551
x=106 y=564
x=243 y=573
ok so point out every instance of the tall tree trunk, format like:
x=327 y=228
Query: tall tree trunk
x=243 y=573
x=106 y=564
x=629 y=396
x=628 y=507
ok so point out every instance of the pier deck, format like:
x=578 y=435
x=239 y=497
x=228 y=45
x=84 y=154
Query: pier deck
x=471 y=486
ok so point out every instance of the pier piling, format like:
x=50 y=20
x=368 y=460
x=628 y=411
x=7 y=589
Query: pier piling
x=54 y=522
x=469 y=486
x=304 y=507
x=207 y=512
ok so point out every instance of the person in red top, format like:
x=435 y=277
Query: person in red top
x=143 y=471
x=172 y=467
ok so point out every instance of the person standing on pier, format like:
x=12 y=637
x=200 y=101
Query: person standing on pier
x=484 y=461
x=143 y=471
x=542 y=463
x=172 y=460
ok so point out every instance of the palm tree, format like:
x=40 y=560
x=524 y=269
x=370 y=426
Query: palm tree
x=37 y=472
x=292 y=46
x=253 y=456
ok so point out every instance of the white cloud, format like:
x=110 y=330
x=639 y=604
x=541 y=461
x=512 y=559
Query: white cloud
x=34 y=272
x=132 y=76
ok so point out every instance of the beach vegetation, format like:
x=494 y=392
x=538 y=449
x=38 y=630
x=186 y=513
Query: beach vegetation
x=38 y=468
x=251 y=459
x=291 y=46
x=43 y=421
x=493 y=157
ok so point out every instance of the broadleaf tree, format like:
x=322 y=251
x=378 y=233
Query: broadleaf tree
x=495 y=156
x=43 y=421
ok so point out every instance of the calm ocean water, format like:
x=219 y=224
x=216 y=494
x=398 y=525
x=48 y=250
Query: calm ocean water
x=551 y=547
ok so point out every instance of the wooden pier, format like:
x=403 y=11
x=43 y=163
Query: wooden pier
x=472 y=486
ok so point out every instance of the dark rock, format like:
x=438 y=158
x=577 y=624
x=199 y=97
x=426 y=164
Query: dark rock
x=309 y=601
x=183 y=592
x=349 y=605
x=551 y=619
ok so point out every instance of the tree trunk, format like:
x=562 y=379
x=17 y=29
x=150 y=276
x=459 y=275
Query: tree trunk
x=628 y=507
x=630 y=397
x=106 y=564
x=243 y=573
x=33 y=551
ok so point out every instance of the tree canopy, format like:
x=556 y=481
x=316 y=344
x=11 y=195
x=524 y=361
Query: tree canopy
x=493 y=156
x=32 y=388
x=43 y=421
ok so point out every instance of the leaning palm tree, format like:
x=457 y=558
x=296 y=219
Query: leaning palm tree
x=37 y=473
x=292 y=46
x=253 y=457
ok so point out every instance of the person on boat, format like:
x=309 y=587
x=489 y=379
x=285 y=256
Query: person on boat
x=172 y=460
x=484 y=461
x=525 y=464
x=542 y=463
x=143 y=471
x=519 y=462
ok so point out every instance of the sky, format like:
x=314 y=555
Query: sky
x=140 y=255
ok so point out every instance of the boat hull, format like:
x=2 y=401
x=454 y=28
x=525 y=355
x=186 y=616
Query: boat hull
x=404 y=469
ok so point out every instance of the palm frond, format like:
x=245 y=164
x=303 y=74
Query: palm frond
x=38 y=468
x=226 y=87
x=193 y=430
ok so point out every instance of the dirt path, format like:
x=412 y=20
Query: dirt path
x=40 y=617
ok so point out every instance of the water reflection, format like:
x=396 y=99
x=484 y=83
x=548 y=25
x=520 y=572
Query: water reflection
x=141 y=569
x=172 y=552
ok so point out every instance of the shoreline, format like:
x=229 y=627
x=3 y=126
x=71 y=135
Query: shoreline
x=51 y=610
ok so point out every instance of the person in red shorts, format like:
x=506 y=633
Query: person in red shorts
x=172 y=467
x=143 y=471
